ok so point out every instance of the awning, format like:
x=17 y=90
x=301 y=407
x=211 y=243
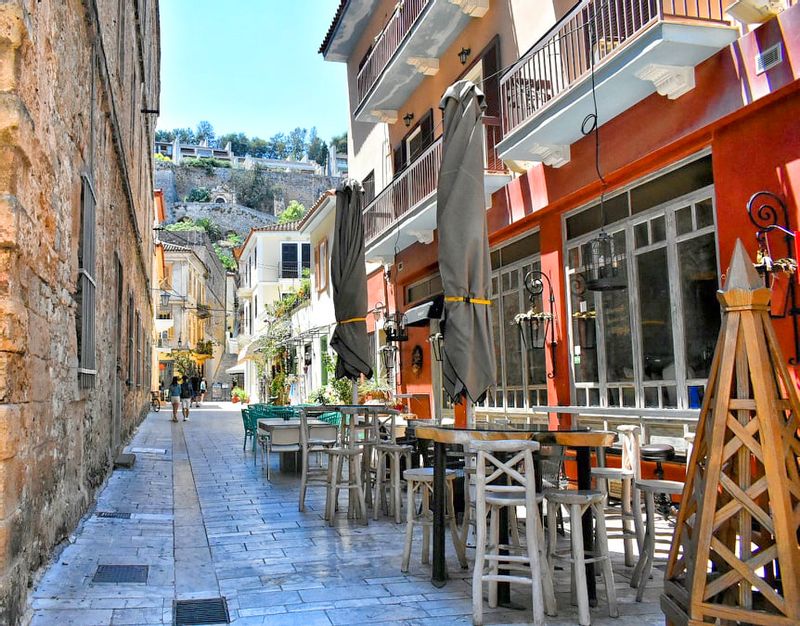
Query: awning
x=164 y=324
x=236 y=369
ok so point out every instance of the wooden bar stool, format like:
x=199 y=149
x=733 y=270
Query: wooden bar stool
x=507 y=484
x=357 y=504
x=577 y=502
x=631 y=529
x=648 y=488
x=420 y=480
x=393 y=452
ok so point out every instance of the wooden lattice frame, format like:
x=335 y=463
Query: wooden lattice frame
x=735 y=555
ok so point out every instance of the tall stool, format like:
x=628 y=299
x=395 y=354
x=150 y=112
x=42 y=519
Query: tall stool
x=649 y=488
x=499 y=484
x=393 y=453
x=314 y=439
x=357 y=504
x=625 y=475
x=577 y=502
x=420 y=480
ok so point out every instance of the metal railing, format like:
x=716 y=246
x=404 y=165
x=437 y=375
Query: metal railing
x=586 y=36
x=387 y=43
x=419 y=180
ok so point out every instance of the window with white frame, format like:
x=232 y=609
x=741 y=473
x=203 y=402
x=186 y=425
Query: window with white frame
x=295 y=258
x=651 y=344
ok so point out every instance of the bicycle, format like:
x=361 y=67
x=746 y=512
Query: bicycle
x=155 y=401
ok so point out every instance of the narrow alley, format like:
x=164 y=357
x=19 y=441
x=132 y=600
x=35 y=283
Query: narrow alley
x=207 y=524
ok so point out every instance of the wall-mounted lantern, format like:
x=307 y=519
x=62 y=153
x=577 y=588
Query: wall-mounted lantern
x=537 y=328
x=463 y=55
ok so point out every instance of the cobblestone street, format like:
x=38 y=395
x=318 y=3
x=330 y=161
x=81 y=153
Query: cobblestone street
x=207 y=524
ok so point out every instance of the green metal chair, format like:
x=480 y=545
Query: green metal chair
x=250 y=428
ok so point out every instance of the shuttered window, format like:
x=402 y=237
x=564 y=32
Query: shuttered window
x=295 y=257
x=87 y=368
x=130 y=339
x=138 y=350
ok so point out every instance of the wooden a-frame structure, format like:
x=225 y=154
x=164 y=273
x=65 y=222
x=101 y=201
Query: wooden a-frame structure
x=735 y=555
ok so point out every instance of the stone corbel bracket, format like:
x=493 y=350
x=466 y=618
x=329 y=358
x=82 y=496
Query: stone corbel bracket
x=473 y=8
x=424 y=65
x=552 y=155
x=385 y=116
x=671 y=81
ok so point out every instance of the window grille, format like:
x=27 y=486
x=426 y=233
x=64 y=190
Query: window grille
x=87 y=368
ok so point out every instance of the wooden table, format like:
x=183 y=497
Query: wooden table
x=442 y=434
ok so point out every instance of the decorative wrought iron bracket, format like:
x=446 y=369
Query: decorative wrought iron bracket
x=768 y=212
x=534 y=282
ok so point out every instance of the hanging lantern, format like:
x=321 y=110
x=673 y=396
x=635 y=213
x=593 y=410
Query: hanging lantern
x=388 y=353
x=604 y=267
x=394 y=326
x=587 y=329
x=533 y=327
x=164 y=297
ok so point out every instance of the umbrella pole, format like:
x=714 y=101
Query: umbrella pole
x=355 y=392
x=470 y=413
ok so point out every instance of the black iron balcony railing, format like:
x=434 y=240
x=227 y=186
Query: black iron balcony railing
x=418 y=182
x=387 y=43
x=589 y=34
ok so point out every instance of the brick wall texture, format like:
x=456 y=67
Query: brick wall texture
x=74 y=77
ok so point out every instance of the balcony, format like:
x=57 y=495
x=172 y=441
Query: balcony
x=636 y=47
x=405 y=211
x=408 y=49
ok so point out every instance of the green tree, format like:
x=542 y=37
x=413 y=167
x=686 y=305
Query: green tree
x=210 y=226
x=253 y=188
x=293 y=212
x=297 y=143
x=277 y=147
x=205 y=131
x=258 y=147
x=184 y=135
x=240 y=144
x=165 y=135
x=340 y=142
x=317 y=149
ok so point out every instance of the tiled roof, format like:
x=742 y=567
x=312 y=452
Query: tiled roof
x=334 y=25
x=313 y=210
x=286 y=227
x=174 y=247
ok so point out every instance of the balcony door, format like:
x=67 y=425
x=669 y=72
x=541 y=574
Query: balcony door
x=414 y=144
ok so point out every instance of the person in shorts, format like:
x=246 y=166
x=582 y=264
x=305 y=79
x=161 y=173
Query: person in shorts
x=203 y=390
x=175 y=397
x=187 y=392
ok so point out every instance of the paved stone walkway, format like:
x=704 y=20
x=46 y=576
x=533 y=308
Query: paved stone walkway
x=207 y=523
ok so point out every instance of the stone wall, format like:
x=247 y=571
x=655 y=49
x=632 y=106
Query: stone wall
x=233 y=217
x=305 y=188
x=67 y=112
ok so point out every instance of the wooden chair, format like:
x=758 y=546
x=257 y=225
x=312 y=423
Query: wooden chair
x=577 y=502
x=649 y=488
x=282 y=439
x=508 y=483
x=314 y=440
x=625 y=475
x=388 y=451
x=420 y=481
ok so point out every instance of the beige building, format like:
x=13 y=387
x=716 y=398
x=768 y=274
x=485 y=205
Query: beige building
x=80 y=85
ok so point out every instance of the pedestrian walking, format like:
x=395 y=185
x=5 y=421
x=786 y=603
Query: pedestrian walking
x=187 y=392
x=203 y=389
x=175 y=397
x=195 y=381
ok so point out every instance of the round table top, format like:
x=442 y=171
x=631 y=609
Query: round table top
x=449 y=433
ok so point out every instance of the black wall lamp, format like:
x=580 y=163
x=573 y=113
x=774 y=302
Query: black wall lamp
x=388 y=353
x=462 y=56
x=408 y=118
x=537 y=328
x=437 y=344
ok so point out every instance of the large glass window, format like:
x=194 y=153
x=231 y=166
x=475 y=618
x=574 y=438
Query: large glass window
x=651 y=344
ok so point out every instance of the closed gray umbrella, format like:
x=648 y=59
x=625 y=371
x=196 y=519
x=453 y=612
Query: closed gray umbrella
x=469 y=362
x=349 y=278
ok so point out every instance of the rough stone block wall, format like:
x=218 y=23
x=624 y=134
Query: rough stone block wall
x=305 y=188
x=63 y=113
x=227 y=216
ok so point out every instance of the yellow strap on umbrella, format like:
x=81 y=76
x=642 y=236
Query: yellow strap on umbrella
x=467 y=299
x=353 y=319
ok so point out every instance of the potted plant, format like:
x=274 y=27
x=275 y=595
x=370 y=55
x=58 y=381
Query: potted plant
x=238 y=395
x=374 y=389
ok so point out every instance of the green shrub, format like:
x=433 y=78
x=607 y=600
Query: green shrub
x=206 y=163
x=198 y=194
x=162 y=158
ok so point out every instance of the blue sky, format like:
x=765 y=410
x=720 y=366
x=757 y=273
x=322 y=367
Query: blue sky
x=250 y=66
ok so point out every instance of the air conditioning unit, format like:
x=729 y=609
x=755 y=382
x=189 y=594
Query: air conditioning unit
x=755 y=11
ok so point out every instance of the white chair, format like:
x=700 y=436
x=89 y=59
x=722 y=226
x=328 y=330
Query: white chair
x=499 y=484
x=315 y=439
x=649 y=488
x=625 y=475
x=420 y=481
x=282 y=439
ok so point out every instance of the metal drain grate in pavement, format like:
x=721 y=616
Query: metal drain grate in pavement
x=121 y=574
x=205 y=611
x=113 y=514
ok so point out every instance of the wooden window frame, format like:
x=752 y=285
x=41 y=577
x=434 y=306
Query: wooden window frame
x=87 y=288
x=321 y=265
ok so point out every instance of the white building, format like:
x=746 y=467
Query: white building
x=272 y=262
